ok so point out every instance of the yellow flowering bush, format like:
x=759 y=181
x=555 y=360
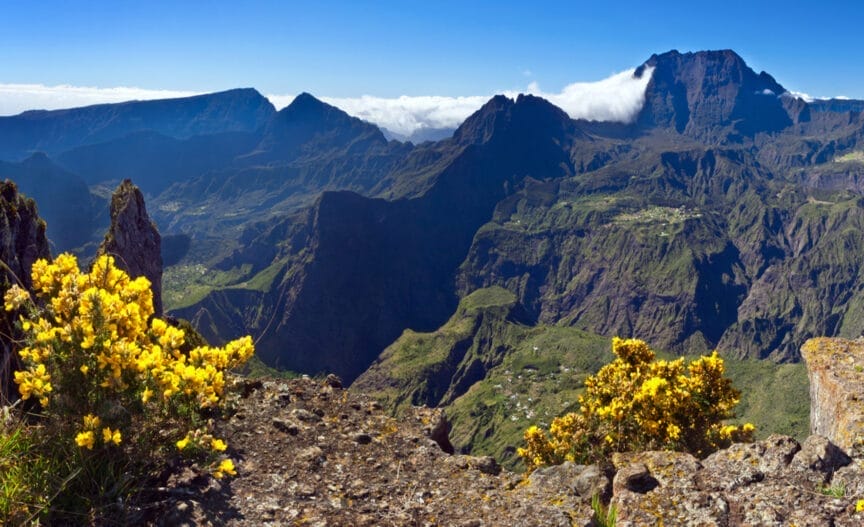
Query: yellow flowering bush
x=639 y=403
x=107 y=373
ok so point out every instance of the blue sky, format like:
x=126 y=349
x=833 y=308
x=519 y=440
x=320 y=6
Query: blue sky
x=389 y=49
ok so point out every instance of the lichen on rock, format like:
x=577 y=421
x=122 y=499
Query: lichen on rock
x=836 y=370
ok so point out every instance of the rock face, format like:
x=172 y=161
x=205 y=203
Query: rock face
x=22 y=242
x=836 y=370
x=772 y=482
x=133 y=239
x=711 y=95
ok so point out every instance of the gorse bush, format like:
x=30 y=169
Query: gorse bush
x=639 y=403
x=113 y=381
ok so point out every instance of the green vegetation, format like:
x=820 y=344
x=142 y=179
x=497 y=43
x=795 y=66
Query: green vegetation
x=256 y=369
x=263 y=281
x=186 y=284
x=603 y=516
x=775 y=397
x=835 y=491
x=540 y=377
x=856 y=156
x=26 y=475
x=668 y=215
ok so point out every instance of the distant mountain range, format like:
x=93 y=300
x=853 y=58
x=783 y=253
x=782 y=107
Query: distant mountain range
x=727 y=214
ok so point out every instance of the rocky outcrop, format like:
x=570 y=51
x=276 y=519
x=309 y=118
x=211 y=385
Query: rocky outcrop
x=836 y=370
x=22 y=242
x=133 y=239
x=311 y=452
x=22 y=235
x=776 y=481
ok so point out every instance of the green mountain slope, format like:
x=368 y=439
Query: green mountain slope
x=495 y=376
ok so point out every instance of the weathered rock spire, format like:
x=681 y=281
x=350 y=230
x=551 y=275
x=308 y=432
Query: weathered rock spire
x=133 y=239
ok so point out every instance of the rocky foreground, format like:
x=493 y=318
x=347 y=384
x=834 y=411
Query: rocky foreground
x=313 y=453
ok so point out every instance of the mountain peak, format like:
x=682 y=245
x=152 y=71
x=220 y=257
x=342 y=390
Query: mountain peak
x=307 y=120
x=305 y=102
x=710 y=95
x=502 y=113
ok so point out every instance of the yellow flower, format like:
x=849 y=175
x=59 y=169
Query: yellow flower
x=218 y=445
x=109 y=436
x=15 y=297
x=859 y=506
x=85 y=439
x=91 y=422
x=183 y=443
x=225 y=467
x=84 y=369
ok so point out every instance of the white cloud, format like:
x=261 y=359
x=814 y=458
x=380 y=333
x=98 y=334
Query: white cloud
x=16 y=98
x=617 y=98
x=809 y=98
x=806 y=97
x=405 y=114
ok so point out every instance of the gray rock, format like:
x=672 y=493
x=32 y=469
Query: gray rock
x=820 y=457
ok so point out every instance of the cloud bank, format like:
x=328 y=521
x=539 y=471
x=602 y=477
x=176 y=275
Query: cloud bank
x=616 y=98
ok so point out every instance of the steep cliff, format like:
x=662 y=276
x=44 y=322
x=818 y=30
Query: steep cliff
x=836 y=370
x=22 y=242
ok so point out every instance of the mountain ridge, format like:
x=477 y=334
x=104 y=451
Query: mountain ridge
x=693 y=200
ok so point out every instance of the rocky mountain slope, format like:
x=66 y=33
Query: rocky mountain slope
x=65 y=202
x=714 y=220
x=351 y=463
x=56 y=131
